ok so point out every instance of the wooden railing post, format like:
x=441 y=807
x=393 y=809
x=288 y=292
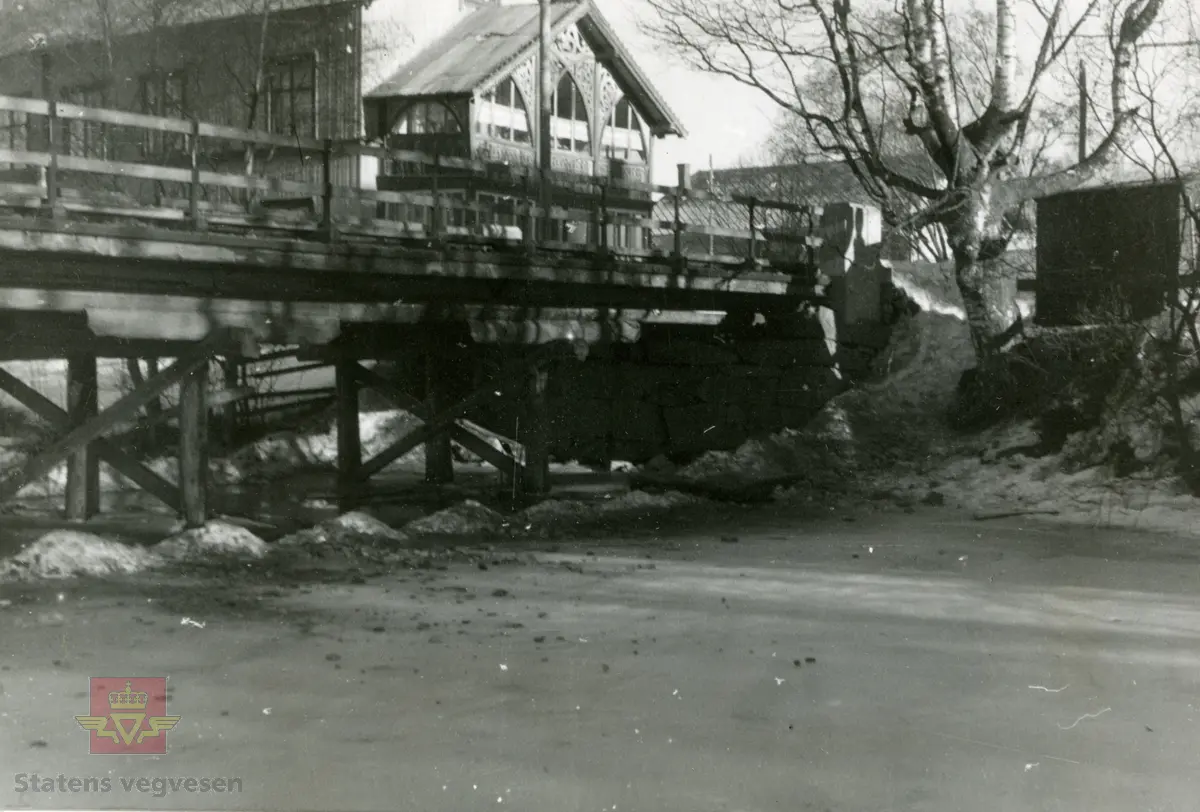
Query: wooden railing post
x=328 y=230
x=53 y=139
x=604 y=246
x=530 y=221
x=194 y=215
x=436 y=219
x=681 y=189
x=753 y=255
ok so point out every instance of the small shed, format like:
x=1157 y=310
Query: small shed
x=1112 y=251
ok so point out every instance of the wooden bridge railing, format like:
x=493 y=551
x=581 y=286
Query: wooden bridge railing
x=95 y=162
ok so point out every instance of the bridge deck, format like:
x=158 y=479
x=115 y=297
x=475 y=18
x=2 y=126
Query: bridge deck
x=130 y=236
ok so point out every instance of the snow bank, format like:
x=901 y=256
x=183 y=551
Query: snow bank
x=469 y=518
x=352 y=528
x=70 y=554
x=213 y=539
x=557 y=515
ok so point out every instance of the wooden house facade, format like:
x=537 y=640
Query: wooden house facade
x=474 y=93
x=295 y=71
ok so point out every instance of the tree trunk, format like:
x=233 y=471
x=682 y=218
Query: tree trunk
x=988 y=317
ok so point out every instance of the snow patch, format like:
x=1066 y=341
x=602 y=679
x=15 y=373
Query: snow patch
x=213 y=539
x=70 y=554
x=469 y=518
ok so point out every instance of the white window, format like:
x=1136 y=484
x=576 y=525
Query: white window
x=569 y=125
x=502 y=114
x=427 y=117
x=624 y=138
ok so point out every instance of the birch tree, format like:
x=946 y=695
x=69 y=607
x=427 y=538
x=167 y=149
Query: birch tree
x=828 y=64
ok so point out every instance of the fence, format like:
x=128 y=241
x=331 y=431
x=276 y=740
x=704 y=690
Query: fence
x=93 y=162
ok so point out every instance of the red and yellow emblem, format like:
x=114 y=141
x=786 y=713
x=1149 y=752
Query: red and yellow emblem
x=128 y=716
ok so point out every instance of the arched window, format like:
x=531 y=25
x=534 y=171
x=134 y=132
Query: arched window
x=624 y=138
x=427 y=117
x=502 y=114
x=569 y=125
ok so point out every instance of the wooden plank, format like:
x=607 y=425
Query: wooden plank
x=122 y=119
x=466 y=437
x=232 y=181
x=123 y=411
x=193 y=444
x=21 y=156
x=349 y=440
x=83 y=466
x=24 y=104
x=117 y=458
x=259 y=137
x=125 y=169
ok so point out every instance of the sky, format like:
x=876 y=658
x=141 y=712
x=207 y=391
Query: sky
x=723 y=119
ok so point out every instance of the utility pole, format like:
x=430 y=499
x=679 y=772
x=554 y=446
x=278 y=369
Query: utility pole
x=712 y=190
x=546 y=105
x=1083 y=112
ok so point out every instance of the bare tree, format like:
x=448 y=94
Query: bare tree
x=846 y=75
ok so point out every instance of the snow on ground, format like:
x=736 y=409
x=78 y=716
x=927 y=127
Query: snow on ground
x=468 y=518
x=555 y=516
x=216 y=538
x=70 y=554
x=349 y=528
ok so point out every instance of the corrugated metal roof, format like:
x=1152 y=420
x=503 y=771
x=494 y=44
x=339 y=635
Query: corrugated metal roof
x=37 y=24
x=463 y=58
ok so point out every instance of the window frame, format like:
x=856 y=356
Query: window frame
x=311 y=64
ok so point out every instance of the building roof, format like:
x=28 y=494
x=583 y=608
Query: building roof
x=495 y=38
x=812 y=183
x=48 y=24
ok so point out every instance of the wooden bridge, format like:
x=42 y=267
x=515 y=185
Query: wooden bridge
x=232 y=239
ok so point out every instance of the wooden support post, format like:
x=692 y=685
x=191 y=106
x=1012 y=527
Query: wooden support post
x=83 y=465
x=328 y=228
x=437 y=226
x=193 y=456
x=682 y=187
x=439 y=461
x=349 y=441
x=230 y=369
x=194 y=215
x=535 y=431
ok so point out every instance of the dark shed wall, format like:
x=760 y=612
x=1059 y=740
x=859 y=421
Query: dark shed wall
x=1104 y=250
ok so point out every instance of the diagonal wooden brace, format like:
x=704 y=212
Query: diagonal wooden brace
x=123 y=411
x=433 y=426
x=122 y=462
x=459 y=432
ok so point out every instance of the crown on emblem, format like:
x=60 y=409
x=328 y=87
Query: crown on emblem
x=128 y=699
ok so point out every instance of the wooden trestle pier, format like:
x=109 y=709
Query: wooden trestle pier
x=195 y=259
